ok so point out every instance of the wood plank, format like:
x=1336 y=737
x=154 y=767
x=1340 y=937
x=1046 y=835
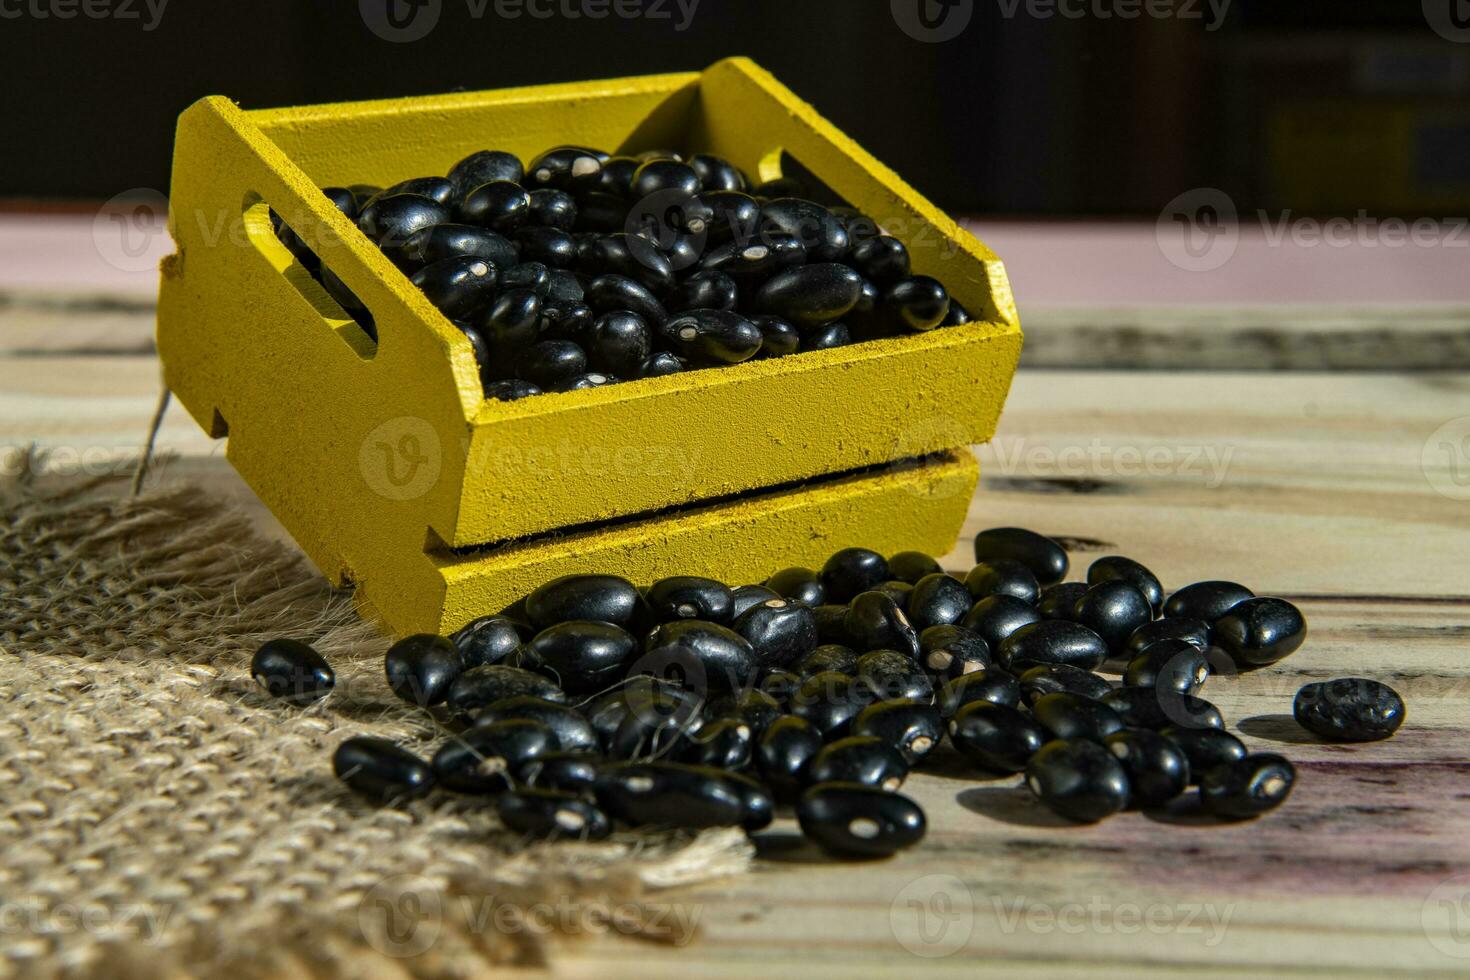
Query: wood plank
x=1318 y=491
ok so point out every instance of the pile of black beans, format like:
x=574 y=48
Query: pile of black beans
x=592 y=703
x=585 y=269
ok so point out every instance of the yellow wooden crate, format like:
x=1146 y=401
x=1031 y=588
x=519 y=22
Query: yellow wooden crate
x=390 y=469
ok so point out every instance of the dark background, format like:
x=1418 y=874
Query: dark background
x=1327 y=106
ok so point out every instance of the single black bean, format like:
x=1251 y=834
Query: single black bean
x=914 y=729
x=859 y=821
x=512 y=322
x=779 y=630
x=708 y=290
x=669 y=794
x=439 y=189
x=851 y=571
x=665 y=177
x=422 y=669
x=564 y=166
x=1078 y=779
x=500 y=205
x=436 y=243
x=612 y=292
x=952 y=651
x=1070 y=716
x=830 y=701
x=552 y=247
x=601 y=212
x=1171 y=665
x=1205 y=748
x=1349 y=709
x=552 y=814
x=1046 y=559
x=784 y=754
x=553 y=209
x=917 y=303
x=1116 y=568
x=1206 y=600
x=627 y=255
x=753 y=263
x=459 y=287
x=1260 y=631
x=534 y=276
x=711 y=337
x=1150 y=707
x=1044 y=679
x=564 y=286
x=748 y=596
x=735 y=216
x=1158 y=769
x=510 y=390
x=650 y=722
x=571 y=728
x=938 y=599
x=479 y=686
x=1247 y=787
x=690 y=597
x=1053 y=641
x=549 y=364
x=617 y=173
x=811 y=295
x=801 y=584
x=482 y=167
x=716 y=173
x=573 y=772
x=1195 y=632
x=874 y=621
x=1002 y=576
x=826 y=337
x=487 y=640
x=343 y=199
x=380 y=770
x=820 y=231
x=827 y=657
x=882 y=260
x=830 y=620
x=390 y=220
x=724 y=743
x=570 y=320
x=897 y=591
x=996 y=737
x=584 y=656
x=912 y=566
x=712 y=656
x=891 y=674
x=662 y=363
x=604 y=598
x=292 y=671
x=1113 y=610
x=778 y=338
x=957 y=314
x=996 y=617
x=484 y=759
x=754 y=708
x=867 y=760
x=991 y=684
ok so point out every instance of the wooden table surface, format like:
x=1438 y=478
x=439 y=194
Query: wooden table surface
x=1347 y=492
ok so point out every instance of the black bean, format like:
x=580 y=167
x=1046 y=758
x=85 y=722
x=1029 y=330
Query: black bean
x=781 y=685
x=573 y=772
x=867 y=760
x=1046 y=559
x=459 y=287
x=669 y=794
x=1195 y=632
x=479 y=686
x=1053 y=641
x=784 y=754
x=830 y=701
x=851 y=571
x=292 y=671
x=1150 y=707
x=570 y=320
x=612 y=292
x=549 y=364
x=735 y=216
x=484 y=166
x=553 y=209
x=583 y=656
x=1078 y=779
x=439 y=189
x=1112 y=610
x=912 y=566
x=552 y=814
x=938 y=599
x=996 y=737
x=859 y=821
x=1206 y=600
x=563 y=166
x=690 y=597
x=564 y=286
x=820 y=232
x=484 y=759
x=778 y=338
x=957 y=314
x=801 y=584
x=1171 y=665
x=779 y=630
x=343 y=199
x=754 y=708
x=601 y=212
x=859 y=226
x=1247 y=787
x=716 y=173
x=714 y=657
x=1002 y=576
x=748 y=596
x=628 y=255
x=882 y=260
x=1046 y=679
x=708 y=290
x=551 y=247
x=662 y=363
x=500 y=205
x=1116 y=568
x=891 y=674
x=512 y=322
x=826 y=337
x=1074 y=716
x=811 y=295
x=1260 y=631
x=604 y=598
x=1349 y=709
x=448 y=241
x=617 y=175
x=650 y=722
x=830 y=628
x=828 y=656
x=897 y=591
x=380 y=770
x=912 y=728
x=390 y=220
x=917 y=303
x=571 y=728
x=1158 y=769
x=711 y=337
x=510 y=389
x=996 y=617
x=487 y=640
x=752 y=263
x=952 y=651
x=422 y=669
x=724 y=743
x=874 y=621
x=1205 y=748
x=678 y=180
x=987 y=684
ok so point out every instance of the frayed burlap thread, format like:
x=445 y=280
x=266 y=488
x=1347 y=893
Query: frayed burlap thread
x=160 y=816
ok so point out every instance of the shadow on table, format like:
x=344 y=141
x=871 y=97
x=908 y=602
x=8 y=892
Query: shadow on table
x=1277 y=728
x=1010 y=804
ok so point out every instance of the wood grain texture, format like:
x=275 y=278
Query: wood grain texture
x=1312 y=486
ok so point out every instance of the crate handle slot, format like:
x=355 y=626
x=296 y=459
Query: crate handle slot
x=260 y=230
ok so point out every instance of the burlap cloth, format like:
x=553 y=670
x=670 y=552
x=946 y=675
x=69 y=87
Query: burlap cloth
x=160 y=816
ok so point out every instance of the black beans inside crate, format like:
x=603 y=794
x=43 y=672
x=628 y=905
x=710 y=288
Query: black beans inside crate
x=689 y=703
